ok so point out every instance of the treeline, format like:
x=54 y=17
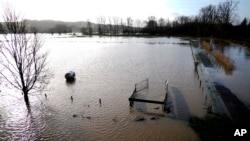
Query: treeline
x=51 y=26
x=60 y=28
x=212 y=21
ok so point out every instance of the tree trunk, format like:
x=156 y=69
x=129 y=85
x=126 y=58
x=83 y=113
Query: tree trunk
x=26 y=99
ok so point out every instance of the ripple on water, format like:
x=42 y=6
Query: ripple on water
x=107 y=71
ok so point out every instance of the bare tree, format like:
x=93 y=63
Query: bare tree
x=227 y=11
x=152 y=25
x=110 y=26
x=161 y=22
x=208 y=14
x=138 y=25
x=161 y=25
x=33 y=30
x=62 y=28
x=116 y=25
x=89 y=27
x=122 y=25
x=23 y=66
x=129 y=24
x=101 y=25
x=168 y=23
x=183 y=20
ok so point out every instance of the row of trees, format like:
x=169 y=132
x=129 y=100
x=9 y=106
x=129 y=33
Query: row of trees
x=87 y=30
x=212 y=20
x=116 y=25
x=60 y=28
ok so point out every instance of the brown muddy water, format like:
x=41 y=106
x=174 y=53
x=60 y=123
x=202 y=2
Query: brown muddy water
x=107 y=68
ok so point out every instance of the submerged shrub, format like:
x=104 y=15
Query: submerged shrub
x=205 y=45
x=225 y=61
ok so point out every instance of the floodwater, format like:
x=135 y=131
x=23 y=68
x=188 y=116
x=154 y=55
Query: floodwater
x=237 y=80
x=107 y=68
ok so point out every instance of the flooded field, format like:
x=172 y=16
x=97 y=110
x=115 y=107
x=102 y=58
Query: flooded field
x=238 y=80
x=107 y=68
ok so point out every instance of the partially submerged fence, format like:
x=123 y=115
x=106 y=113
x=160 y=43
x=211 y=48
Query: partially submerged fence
x=214 y=103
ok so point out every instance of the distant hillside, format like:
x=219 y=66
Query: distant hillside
x=45 y=25
x=51 y=26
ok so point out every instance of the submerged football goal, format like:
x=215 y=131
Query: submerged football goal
x=144 y=85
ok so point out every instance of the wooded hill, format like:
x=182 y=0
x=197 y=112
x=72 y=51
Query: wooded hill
x=46 y=26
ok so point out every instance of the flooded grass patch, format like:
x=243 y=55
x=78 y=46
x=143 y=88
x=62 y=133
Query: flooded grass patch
x=205 y=45
x=225 y=61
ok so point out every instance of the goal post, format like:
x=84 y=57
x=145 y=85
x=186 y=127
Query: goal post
x=141 y=85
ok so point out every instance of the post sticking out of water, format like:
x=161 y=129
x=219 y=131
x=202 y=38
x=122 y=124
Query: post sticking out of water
x=45 y=95
x=166 y=86
x=131 y=103
x=100 y=101
x=71 y=98
x=196 y=64
x=147 y=82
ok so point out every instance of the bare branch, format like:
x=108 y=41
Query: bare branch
x=23 y=64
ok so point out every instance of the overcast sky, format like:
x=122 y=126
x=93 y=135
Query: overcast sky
x=81 y=10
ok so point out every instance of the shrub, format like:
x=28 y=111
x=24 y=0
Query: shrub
x=205 y=45
x=225 y=61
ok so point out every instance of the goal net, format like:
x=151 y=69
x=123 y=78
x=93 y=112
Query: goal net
x=141 y=85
